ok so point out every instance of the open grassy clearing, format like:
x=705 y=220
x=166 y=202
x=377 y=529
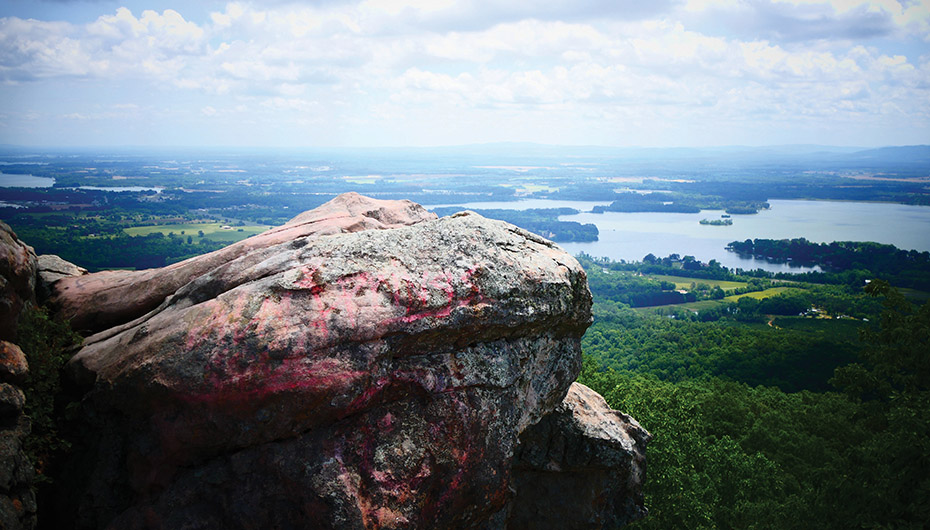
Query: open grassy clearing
x=371 y=179
x=693 y=306
x=212 y=231
x=682 y=282
x=708 y=304
x=759 y=295
x=534 y=188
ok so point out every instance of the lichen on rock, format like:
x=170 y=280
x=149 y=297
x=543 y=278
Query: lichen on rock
x=365 y=366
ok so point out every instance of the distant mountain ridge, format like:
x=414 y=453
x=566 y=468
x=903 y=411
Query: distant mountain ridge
x=887 y=159
x=916 y=153
x=785 y=149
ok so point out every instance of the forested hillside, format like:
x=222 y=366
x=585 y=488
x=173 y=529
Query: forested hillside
x=769 y=409
x=906 y=268
x=772 y=422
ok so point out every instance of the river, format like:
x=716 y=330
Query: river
x=631 y=236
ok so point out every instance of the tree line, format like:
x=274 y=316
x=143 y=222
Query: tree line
x=903 y=268
x=754 y=426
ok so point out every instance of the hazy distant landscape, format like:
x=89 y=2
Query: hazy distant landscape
x=765 y=306
x=745 y=184
x=118 y=192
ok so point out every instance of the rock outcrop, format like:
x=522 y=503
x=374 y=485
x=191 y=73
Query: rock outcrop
x=584 y=463
x=17 y=498
x=17 y=293
x=17 y=280
x=364 y=366
x=50 y=270
x=98 y=301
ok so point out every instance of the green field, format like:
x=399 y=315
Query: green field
x=682 y=282
x=212 y=231
x=707 y=304
x=693 y=306
x=759 y=295
x=371 y=179
x=535 y=188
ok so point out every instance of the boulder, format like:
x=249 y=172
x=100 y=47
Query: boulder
x=12 y=400
x=369 y=369
x=17 y=293
x=13 y=365
x=17 y=280
x=17 y=496
x=583 y=463
x=94 y=302
x=52 y=268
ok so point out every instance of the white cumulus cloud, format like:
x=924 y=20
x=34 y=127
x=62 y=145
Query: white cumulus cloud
x=592 y=66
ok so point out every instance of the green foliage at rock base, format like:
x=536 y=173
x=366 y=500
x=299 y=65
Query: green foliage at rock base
x=729 y=455
x=45 y=342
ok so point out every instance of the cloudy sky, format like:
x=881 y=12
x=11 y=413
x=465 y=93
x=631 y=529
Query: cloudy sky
x=449 y=72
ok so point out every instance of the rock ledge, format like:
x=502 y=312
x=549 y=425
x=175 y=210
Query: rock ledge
x=366 y=365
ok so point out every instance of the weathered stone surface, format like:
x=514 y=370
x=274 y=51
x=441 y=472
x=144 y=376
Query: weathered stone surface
x=17 y=498
x=14 y=466
x=52 y=268
x=17 y=280
x=94 y=302
x=13 y=365
x=12 y=400
x=359 y=380
x=17 y=293
x=583 y=463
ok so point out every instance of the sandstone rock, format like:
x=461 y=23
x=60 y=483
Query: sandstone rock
x=17 y=280
x=13 y=365
x=583 y=463
x=17 y=498
x=52 y=268
x=373 y=379
x=17 y=293
x=98 y=301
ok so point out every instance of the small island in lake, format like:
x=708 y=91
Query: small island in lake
x=717 y=222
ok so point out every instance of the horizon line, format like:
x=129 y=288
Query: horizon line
x=452 y=146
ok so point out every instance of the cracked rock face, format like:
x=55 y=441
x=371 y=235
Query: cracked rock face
x=373 y=379
x=584 y=462
x=17 y=294
x=95 y=302
x=17 y=280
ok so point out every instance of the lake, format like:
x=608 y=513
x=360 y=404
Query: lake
x=31 y=181
x=527 y=204
x=118 y=189
x=24 y=181
x=631 y=236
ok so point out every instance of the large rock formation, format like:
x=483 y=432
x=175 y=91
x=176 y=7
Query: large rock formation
x=17 y=293
x=98 y=301
x=584 y=463
x=17 y=498
x=51 y=270
x=17 y=280
x=364 y=366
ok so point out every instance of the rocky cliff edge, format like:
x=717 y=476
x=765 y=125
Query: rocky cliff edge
x=364 y=366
